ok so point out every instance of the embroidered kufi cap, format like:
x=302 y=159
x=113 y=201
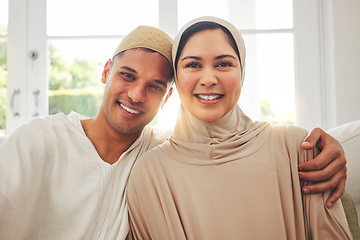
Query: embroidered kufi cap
x=147 y=37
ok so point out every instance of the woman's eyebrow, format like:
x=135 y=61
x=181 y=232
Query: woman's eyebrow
x=224 y=56
x=190 y=57
x=216 y=58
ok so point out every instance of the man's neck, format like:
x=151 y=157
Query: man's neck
x=109 y=144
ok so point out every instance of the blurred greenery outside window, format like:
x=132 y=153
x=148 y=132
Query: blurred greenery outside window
x=3 y=79
x=3 y=68
x=75 y=86
x=72 y=88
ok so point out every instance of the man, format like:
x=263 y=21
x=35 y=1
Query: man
x=64 y=176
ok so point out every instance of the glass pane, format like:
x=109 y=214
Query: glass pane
x=4 y=16
x=270 y=69
x=274 y=14
x=93 y=17
x=3 y=80
x=4 y=8
x=75 y=74
x=245 y=14
x=190 y=9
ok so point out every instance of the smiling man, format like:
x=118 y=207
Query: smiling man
x=137 y=83
x=64 y=176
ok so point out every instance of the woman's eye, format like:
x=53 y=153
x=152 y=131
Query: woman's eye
x=192 y=65
x=224 y=64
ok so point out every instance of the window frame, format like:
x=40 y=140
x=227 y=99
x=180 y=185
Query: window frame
x=27 y=78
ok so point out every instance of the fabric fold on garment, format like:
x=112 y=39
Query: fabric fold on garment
x=227 y=139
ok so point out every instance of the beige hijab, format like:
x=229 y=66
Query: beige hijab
x=226 y=139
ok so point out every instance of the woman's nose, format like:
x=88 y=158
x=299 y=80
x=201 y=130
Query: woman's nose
x=208 y=78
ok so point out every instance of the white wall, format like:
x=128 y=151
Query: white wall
x=346 y=20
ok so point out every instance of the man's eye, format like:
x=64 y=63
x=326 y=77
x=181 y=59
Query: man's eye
x=156 y=88
x=127 y=76
x=192 y=65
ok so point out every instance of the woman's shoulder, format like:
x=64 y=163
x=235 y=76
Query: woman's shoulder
x=288 y=130
x=152 y=157
x=150 y=168
x=289 y=134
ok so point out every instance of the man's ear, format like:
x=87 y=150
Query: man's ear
x=106 y=71
x=167 y=96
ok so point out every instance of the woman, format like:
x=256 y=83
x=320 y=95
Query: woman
x=210 y=179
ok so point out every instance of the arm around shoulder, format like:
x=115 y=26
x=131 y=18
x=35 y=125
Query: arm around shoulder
x=322 y=222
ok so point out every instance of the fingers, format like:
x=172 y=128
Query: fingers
x=335 y=183
x=332 y=153
x=336 y=194
x=318 y=163
x=330 y=150
x=326 y=157
x=338 y=166
x=328 y=169
x=312 y=138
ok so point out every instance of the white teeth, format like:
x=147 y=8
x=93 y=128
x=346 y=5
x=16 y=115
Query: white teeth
x=209 y=97
x=129 y=110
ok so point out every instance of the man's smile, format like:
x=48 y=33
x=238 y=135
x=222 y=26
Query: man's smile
x=129 y=110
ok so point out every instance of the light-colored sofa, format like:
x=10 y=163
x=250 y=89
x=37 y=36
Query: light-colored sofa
x=349 y=137
x=2 y=138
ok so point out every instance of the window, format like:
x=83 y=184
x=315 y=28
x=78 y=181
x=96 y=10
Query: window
x=3 y=70
x=65 y=55
x=78 y=48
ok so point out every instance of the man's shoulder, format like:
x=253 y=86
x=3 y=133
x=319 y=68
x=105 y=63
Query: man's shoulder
x=42 y=128
x=40 y=123
x=75 y=117
x=40 y=133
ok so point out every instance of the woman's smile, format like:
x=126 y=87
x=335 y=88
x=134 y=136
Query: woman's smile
x=207 y=98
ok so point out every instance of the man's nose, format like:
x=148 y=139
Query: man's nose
x=137 y=93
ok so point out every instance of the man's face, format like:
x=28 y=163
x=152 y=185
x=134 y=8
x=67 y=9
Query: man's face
x=136 y=87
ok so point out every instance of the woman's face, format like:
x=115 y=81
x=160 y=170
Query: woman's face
x=208 y=75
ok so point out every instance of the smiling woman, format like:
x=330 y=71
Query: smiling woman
x=217 y=155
